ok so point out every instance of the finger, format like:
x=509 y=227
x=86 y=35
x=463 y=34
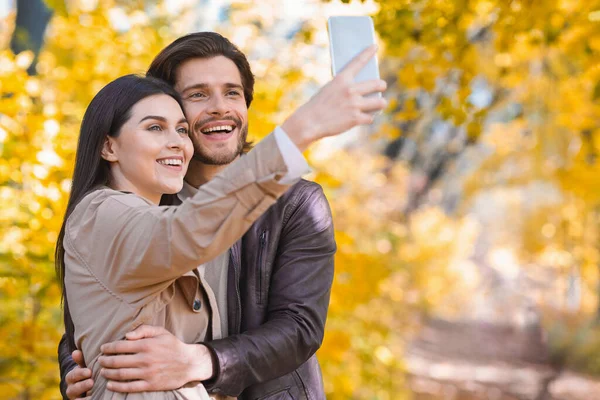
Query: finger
x=145 y=331
x=77 y=356
x=122 y=374
x=78 y=374
x=371 y=86
x=122 y=347
x=365 y=119
x=358 y=62
x=128 y=387
x=78 y=389
x=372 y=104
x=354 y=119
x=120 y=361
x=362 y=118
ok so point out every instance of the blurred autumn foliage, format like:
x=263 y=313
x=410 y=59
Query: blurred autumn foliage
x=474 y=198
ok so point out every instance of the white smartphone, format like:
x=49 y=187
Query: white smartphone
x=348 y=36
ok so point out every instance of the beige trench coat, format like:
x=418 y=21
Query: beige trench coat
x=129 y=262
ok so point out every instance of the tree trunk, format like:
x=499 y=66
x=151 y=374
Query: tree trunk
x=32 y=18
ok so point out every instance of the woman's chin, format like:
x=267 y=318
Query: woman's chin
x=172 y=187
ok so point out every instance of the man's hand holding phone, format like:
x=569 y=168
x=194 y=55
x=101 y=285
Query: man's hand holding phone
x=339 y=106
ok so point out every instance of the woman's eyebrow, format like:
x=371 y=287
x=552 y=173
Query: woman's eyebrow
x=157 y=117
x=162 y=119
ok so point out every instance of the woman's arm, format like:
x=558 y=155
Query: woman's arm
x=128 y=244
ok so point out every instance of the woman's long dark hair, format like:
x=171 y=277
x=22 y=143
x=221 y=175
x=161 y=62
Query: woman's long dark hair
x=105 y=116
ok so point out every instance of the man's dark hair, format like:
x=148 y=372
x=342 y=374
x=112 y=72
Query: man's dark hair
x=201 y=45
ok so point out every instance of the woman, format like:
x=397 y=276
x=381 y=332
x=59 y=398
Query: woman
x=123 y=260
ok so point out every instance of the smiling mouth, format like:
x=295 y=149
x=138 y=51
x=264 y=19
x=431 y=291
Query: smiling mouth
x=221 y=129
x=171 y=163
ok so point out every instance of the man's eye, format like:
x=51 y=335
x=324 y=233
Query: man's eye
x=233 y=93
x=197 y=95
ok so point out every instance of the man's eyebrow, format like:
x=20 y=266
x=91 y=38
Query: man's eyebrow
x=234 y=85
x=228 y=85
x=195 y=86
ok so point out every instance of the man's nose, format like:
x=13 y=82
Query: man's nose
x=218 y=106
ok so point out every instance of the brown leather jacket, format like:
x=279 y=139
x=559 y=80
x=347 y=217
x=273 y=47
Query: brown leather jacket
x=280 y=276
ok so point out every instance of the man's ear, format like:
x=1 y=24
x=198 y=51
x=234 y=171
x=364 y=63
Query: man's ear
x=108 y=150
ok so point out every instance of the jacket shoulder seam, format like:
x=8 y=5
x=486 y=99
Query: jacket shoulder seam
x=303 y=193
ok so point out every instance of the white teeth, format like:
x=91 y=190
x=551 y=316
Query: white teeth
x=227 y=128
x=170 y=161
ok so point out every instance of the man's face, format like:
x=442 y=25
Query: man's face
x=214 y=104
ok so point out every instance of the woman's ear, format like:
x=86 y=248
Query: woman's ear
x=108 y=151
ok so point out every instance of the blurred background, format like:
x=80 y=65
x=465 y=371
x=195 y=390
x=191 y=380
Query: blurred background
x=467 y=217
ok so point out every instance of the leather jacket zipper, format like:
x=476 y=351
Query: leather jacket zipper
x=261 y=267
x=238 y=310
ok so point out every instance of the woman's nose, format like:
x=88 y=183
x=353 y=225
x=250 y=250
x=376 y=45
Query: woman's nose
x=176 y=140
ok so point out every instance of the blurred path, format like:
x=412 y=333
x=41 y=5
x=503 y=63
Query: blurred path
x=463 y=360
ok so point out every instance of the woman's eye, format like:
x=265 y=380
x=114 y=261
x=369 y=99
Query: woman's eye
x=233 y=93
x=183 y=131
x=155 y=128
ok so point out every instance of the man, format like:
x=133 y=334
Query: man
x=272 y=288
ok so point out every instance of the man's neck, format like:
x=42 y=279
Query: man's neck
x=198 y=173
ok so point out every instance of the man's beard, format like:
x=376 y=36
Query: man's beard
x=221 y=158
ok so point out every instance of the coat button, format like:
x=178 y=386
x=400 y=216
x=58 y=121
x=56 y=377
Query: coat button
x=197 y=305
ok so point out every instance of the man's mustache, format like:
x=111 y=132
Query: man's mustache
x=198 y=124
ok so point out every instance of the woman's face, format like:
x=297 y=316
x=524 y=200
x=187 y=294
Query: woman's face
x=151 y=154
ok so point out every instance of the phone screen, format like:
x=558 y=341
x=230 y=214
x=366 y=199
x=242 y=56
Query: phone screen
x=348 y=36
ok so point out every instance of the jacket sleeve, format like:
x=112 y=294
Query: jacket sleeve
x=159 y=244
x=297 y=304
x=66 y=364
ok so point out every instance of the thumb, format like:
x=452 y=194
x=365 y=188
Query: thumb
x=145 y=331
x=359 y=61
x=78 y=358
